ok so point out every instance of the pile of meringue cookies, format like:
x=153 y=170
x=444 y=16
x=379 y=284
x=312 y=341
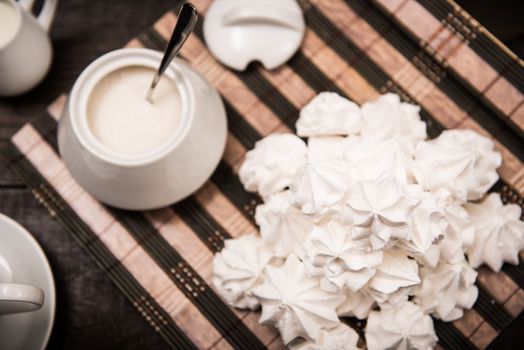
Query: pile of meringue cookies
x=369 y=219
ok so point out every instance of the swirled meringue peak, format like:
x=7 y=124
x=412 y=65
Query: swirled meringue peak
x=393 y=278
x=340 y=260
x=458 y=235
x=447 y=290
x=282 y=225
x=329 y=114
x=319 y=185
x=499 y=233
x=341 y=337
x=401 y=327
x=428 y=225
x=389 y=118
x=445 y=167
x=460 y=161
x=294 y=303
x=487 y=160
x=271 y=166
x=237 y=268
x=384 y=206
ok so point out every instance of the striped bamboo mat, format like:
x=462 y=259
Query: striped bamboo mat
x=430 y=52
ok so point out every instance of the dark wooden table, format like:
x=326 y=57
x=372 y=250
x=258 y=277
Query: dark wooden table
x=91 y=312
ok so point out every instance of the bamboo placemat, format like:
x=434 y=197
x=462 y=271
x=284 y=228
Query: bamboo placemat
x=432 y=53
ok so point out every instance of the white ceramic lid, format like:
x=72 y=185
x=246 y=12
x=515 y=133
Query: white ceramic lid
x=238 y=32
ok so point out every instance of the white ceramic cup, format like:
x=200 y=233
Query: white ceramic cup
x=158 y=177
x=26 y=56
x=17 y=298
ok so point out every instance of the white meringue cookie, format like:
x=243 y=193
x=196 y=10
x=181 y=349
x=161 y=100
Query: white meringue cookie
x=282 y=225
x=487 y=160
x=458 y=235
x=272 y=165
x=341 y=337
x=294 y=303
x=328 y=114
x=357 y=304
x=460 y=161
x=447 y=290
x=389 y=118
x=401 y=327
x=449 y=167
x=341 y=261
x=374 y=159
x=499 y=233
x=393 y=278
x=384 y=205
x=237 y=268
x=428 y=225
x=319 y=185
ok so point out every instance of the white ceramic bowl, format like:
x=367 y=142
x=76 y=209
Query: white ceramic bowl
x=161 y=176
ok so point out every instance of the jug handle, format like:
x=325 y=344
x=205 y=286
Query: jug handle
x=265 y=13
x=21 y=297
x=45 y=18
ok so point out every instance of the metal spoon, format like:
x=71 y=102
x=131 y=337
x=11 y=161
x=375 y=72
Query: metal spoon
x=187 y=18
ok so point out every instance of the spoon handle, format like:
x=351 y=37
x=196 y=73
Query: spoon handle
x=187 y=18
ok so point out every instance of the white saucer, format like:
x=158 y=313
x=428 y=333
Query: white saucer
x=28 y=265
